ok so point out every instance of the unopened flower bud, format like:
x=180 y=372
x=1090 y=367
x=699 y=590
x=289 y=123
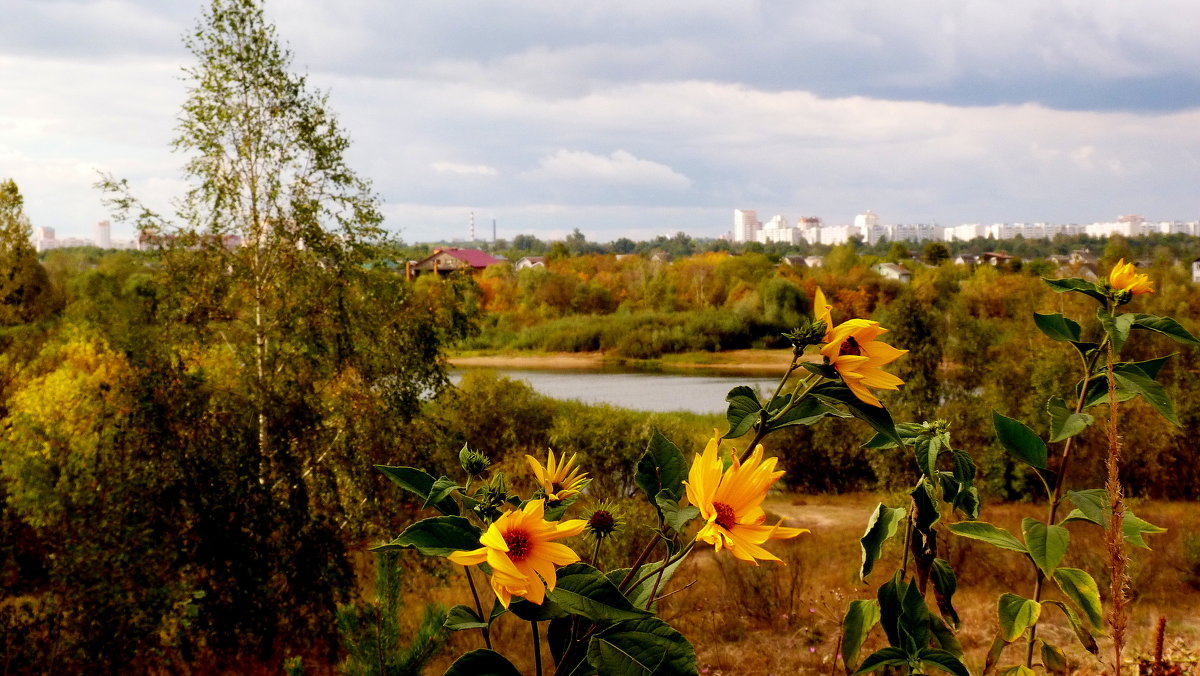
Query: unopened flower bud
x=473 y=463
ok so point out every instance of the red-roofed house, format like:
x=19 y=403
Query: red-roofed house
x=445 y=261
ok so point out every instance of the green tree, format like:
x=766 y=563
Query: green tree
x=935 y=253
x=25 y=291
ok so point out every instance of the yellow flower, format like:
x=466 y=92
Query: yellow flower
x=559 y=480
x=1124 y=278
x=730 y=501
x=857 y=356
x=823 y=311
x=519 y=548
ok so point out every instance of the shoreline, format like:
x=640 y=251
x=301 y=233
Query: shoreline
x=765 y=362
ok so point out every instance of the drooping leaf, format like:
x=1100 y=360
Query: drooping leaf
x=437 y=536
x=908 y=433
x=419 y=483
x=927 y=451
x=880 y=527
x=808 y=412
x=945 y=583
x=1075 y=284
x=462 y=617
x=1117 y=327
x=945 y=636
x=1081 y=589
x=743 y=411
x=1150 y=391
x=639 y=595
x=913 y=623
x=1016 y=615
x=1081 y=631
x=1047 y=544
x=1065 y=423
x=1132 y=379
x=482 y=663
x=944 y=660
x=440 y=491
x=661 y=468
x=1057 y=326
x=861 y=617
x=993 y=535
x=889 y=595
x=1093 y=503
x=537 y=612
x=885 y=657
x=584 y=590
x=1017 y=670
x=1092 y=506
x=876 y=416
x=1054 y=659
x=1166 y=326
x=642 y=647
x=1132 y=528
x=1020 y=441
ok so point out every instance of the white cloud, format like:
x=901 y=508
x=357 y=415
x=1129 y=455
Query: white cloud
x=620 y=168
x=464 y=169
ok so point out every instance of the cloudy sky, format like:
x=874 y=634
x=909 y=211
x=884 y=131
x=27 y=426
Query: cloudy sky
x=638 y=118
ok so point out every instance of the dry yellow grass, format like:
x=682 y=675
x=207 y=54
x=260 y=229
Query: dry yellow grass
x=775 y=619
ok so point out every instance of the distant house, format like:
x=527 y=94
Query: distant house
x=1081 y=270
x=793 y=261
x=530 y=262
x=995 y=257
x=966 y=259
x=660 y=257
x=1196 y=270
x=814 y=261
x=445 y=261
x=1084 y=257
x=893 y=271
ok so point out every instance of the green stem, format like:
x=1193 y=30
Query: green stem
x=623 y=586
x=762 y=426
x=537 y=649
x=687 y=549
x=596 y=553
x=487 y=639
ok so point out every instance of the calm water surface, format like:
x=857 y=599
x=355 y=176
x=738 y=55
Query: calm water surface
x=640 y=391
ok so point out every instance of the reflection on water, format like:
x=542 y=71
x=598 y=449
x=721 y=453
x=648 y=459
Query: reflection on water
x=639 y=391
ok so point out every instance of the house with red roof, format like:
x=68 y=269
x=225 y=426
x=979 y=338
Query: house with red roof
x=445 y=261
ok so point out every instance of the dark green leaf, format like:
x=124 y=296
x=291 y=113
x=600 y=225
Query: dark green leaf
x=778 y=403
x=461 y=617
x=1081 y=589
x=943 y=660
x=993 y=535
x=1020 y=441
x=583 y=590
x=1081 y=631
x=944 y=636
x=925 y=511
x=642 y=647
x=439 y=492
x=1047 y=544
x=1093 y=503
x=808 y=412
x=661 y=468
x=876 y=416
x=1057 y=327
x=823 y=370
x=880 y=527
x=927 y=450
x=944 y=585
x=1166 y=326
x=437 y=536
x=886 y=657
x=537 y=612
x=889 y=595
x=862 y=616
x=482 y=663
x=676 y=517
x=1075 y=284
x=1064 y=423
x=913 y=623
x=1016 y=615
x=419 y=483
x=1151 y=392
x=743 y=410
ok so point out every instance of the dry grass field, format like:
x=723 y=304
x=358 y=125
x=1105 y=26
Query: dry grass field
x=786 y=619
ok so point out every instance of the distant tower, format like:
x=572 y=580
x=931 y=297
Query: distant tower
x=472 y=238
x=104 y=235
x=745 y=225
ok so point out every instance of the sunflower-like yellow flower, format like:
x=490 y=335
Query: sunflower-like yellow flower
x=857 y=356
x=823 y=312
x=519 y=547
x=559 y=479
x=1124 y=278
x=730 y=501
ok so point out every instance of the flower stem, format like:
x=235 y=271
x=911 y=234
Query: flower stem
x=596 y=553
x=637 y=564
x=487 y=639
x=537 y=649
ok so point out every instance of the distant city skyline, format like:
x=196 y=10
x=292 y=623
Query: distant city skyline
x=633 y=119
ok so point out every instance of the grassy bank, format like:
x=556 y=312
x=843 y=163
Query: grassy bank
x=767 y=362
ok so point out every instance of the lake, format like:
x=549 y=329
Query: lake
x=659 y=392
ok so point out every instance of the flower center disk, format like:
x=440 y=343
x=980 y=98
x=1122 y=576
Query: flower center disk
x=518 y=544
x=850 y=346
x=725 y=516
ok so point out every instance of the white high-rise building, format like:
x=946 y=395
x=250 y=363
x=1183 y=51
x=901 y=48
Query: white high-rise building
x=779 y=230
x=104 y=235
x=43 y=238
x=745 y=225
